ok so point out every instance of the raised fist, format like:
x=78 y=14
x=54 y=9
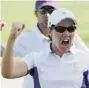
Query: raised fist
x=16 y=30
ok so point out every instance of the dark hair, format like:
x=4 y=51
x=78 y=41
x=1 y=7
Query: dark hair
x=50 y=37
x=52 y=26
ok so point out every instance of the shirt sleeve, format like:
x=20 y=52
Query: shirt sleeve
x=87 y=67
x=29 y=60
x=80 y=44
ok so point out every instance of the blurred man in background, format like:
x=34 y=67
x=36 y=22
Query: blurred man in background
x=39 y=32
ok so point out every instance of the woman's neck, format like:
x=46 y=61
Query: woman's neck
x=43 y=30
x=57 y=51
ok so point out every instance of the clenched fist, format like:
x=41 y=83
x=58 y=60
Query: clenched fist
x=16 y=30
x=1 y=25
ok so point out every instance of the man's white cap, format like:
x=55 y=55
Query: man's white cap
x=58 y=15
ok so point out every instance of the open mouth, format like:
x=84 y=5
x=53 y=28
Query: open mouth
x=65 y=42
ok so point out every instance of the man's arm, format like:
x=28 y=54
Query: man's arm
x=1 y=25
x=2 y=49
x=80 y=44
x=10 y=68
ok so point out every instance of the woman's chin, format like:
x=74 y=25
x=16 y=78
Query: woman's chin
x=65 y=48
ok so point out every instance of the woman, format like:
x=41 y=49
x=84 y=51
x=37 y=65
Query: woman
x=60 y=66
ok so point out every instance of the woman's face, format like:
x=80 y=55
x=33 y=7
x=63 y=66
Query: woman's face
x=61 y=37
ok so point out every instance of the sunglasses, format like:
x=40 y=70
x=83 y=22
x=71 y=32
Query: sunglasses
x=46 y=10
x=61 y=29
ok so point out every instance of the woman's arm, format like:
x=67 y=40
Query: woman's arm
x=10 y=68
